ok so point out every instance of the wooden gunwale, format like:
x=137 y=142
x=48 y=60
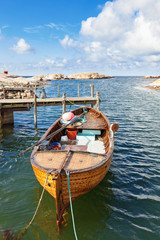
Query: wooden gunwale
x=83 y=179
x=78 y=111
x=78 y=181
x=107 y=140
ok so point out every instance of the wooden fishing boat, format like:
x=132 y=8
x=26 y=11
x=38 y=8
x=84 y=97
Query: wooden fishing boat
x=87 y=158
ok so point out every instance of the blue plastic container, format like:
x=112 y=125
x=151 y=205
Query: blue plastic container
x=56 y=146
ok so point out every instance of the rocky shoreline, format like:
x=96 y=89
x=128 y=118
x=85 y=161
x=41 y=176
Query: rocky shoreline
x=155 y=84
x=14 y=86
x=151 y=77
x=18 y=80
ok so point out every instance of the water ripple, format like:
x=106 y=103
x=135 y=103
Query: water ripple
x=126 y=204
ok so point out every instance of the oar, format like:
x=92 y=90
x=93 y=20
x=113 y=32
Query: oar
x=52 y=134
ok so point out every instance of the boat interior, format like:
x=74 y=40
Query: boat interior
x=85 y=142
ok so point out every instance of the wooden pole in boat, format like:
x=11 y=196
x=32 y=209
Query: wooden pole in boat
x=54 y=133
x=64 y=102
x=35 y=110
x=98 y=101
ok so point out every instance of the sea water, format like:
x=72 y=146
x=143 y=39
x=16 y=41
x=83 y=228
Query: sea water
x=126 y=204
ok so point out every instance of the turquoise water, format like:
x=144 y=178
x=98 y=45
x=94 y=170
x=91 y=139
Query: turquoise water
x=126 y=204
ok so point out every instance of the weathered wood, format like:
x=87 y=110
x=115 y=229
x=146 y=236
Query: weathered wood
x=92 y=90
x=7 y=117
x=86 y=169
x=98 y=101
x=10 y=103
x=0 y=116
x=78 y=90
x=4 y=93
x=35 y=111
x=114 y=127
x=64 y=103
x=58 y=89
x=26 y=104
x=59 y=201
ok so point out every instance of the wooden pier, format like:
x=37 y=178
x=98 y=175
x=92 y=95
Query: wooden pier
x=8 y=106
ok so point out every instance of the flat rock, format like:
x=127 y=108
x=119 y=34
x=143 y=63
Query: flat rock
x=91 y=75
x=155 y=85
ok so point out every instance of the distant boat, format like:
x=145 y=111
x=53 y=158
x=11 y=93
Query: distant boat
x=82 y=147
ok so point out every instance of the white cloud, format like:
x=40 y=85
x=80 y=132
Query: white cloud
x=55 y=63
x=22 y=47
x=106 y=25
x=131 y=27
x=68 y=42
x=125 y=34
x=34 y=29
x=50 y=61
x=51 y=25
x=143 y=38
x=54 y=26
x=78 y=61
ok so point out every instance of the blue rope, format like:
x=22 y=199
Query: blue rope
x=74 y=227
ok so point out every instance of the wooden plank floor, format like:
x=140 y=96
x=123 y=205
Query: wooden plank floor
x=77 y=160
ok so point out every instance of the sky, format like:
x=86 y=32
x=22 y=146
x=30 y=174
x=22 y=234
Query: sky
x=117 y=38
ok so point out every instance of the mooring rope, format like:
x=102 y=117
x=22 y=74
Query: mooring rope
x=20 y=235
x=70 y=199
x=72 y=102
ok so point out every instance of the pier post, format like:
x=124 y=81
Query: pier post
x=98 y=101
x=92 y=90
x=0 y=116
x=35 y=111
x=92 y=93
x=4 y=93
x=6 y=117
x=64 y=102
x=78 y=90
x=58 y=89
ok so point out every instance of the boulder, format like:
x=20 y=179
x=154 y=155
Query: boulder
x=58 y=76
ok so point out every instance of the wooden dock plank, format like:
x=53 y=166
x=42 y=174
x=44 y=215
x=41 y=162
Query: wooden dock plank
x=15 y=103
